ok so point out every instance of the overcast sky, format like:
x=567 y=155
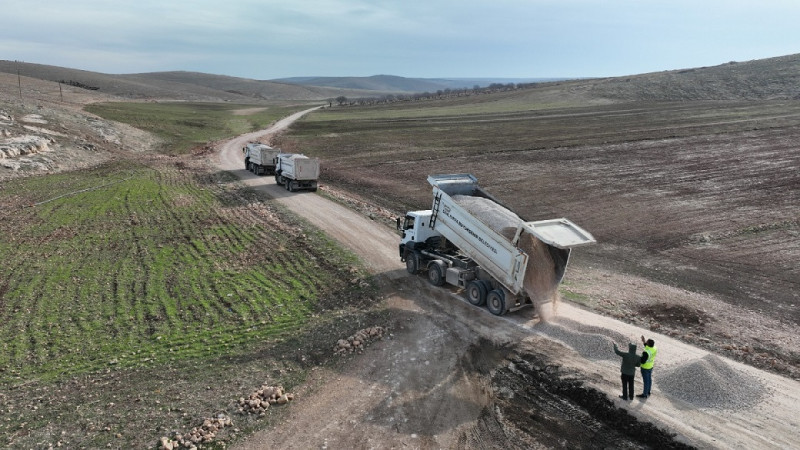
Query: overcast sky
x=266 y=39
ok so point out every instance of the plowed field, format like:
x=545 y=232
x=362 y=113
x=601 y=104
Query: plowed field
x=694 y=196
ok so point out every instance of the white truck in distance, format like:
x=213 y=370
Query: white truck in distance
x=260 y=158
x=504 y=267
x=295 y=171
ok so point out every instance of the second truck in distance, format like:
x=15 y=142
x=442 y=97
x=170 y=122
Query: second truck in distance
x=260 y=158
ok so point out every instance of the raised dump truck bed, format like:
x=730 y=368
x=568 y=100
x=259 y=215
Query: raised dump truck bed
x=468 y=239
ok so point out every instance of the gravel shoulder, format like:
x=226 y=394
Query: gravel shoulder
x=375 y=396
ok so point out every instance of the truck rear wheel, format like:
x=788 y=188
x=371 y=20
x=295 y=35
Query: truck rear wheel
x=435 y=275
x=496 y=302
x=476 y=292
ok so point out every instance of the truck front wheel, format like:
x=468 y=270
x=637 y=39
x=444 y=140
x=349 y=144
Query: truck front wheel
x=412 y=263
x=435 y=275
x=476 y=292
x=496 y=302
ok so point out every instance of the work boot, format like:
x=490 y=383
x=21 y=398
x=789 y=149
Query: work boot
x=642 y=396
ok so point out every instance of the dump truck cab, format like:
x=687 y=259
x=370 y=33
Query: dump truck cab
x=414 y=228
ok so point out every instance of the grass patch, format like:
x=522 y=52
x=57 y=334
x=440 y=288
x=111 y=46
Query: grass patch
x=184 y=126
x=149 y=269
x=146 y=284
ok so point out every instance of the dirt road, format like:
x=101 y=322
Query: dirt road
x=428 y=386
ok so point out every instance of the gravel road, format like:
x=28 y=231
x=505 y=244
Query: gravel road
x=416 y=390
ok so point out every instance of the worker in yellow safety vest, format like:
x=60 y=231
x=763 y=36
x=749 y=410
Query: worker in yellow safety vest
x=646 y=365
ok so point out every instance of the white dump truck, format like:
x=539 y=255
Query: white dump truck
x=500 y=260
x=260 y=158
x=295 y=171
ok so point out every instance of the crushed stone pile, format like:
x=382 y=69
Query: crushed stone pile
x=204 y=434
x=540 y=280
x=590 y=345
x=711 y=383
x=259 y=401
x=359 y=341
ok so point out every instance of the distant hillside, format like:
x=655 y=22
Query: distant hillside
x=391 y=83
x=762 y=79
x=185 y=86
x=772 y=78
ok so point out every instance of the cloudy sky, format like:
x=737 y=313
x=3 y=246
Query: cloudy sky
x=266 y=39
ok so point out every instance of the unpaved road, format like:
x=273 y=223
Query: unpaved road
x=425 y=388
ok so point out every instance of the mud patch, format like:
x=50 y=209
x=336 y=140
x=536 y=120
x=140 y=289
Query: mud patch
x=540 y=405
x=675 y=315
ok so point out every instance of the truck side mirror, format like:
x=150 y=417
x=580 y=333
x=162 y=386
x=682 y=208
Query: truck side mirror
x=398 y=223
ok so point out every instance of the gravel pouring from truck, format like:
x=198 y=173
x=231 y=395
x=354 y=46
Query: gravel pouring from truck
x=295 y=171
x=468 y=239
x=260 y=158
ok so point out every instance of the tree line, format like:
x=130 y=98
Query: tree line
x=422 y=96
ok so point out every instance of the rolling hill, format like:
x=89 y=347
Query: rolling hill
x=771 y=78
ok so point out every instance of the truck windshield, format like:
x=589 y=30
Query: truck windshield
x=409 y=223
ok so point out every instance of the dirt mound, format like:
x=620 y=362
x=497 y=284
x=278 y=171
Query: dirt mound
x=711 y=383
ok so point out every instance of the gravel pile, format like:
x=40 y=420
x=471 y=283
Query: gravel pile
x=621 y=339
x=711 y=383
x=259 y=401
x=589 y=345
x=540 y=276
x=203 y=434
x=493 y=215
x=359 y=341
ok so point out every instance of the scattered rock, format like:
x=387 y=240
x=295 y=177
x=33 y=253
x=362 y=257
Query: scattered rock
x=259 y=401
x=359 y=341
x=203 y=434
x=23 y=145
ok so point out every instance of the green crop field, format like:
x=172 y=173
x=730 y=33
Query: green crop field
x=160 y=285
x=153 y=261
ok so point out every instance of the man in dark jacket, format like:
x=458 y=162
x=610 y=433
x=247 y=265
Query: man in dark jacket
x=630 y=361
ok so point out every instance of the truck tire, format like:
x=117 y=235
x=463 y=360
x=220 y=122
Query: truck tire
x=477 y=292
x=496 y=302
x=435 y=274
x=412 y=263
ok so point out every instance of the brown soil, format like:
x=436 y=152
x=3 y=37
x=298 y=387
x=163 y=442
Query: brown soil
x=453 y=376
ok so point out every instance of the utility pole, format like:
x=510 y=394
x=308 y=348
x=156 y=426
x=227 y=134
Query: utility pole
x=19 y=81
